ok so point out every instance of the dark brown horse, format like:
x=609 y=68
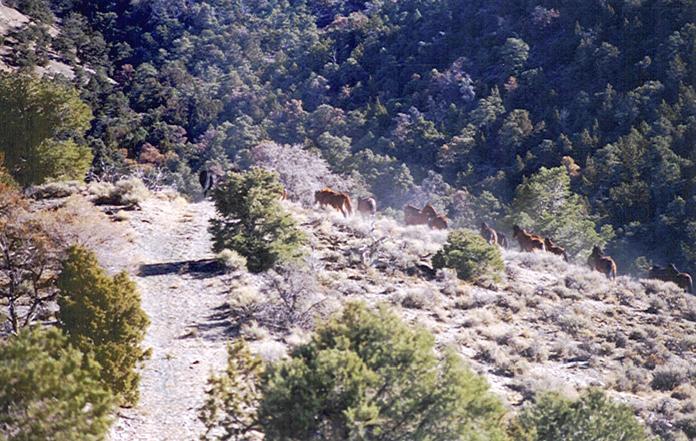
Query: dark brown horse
x=604 y=264
x=552 y=247
x=438 y=222
x=339 y=201
x=672 y=274
x=207 y=179
x=367 y=206
x=528 y=242
x=489 y=234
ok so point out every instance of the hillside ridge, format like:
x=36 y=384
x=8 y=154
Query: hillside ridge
x=548 y=325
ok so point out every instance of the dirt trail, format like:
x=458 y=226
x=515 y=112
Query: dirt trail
x=181 y=292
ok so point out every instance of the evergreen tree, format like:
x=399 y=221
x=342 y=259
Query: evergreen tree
x=50 y=390
x=41 y=130
x=101 y=315
x=251 y=220
x=545 y=204
x=367 y=375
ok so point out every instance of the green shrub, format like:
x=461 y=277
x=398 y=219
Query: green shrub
x=592 y=417
x=229 y=411
x=469 y=255
x=49 y=391
x=102 y=315
x=252 y=222
x=366 y=375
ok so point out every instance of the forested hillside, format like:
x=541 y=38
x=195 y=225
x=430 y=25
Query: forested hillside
x=576 y=118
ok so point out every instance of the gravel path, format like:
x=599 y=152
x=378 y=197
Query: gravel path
x=181 y=292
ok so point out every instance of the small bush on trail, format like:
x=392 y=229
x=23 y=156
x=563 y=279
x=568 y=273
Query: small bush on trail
x=469 y=255
x=127 y=192
x=252 y=222
x=233 y=397
x=102 y=315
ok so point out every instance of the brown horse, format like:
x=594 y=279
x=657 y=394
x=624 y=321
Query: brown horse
x=604 y=264
x=367 y=206
x=438 y=222
x=339 y=201
x=552 y=247
x=672 y=274
x=528 y=242
x=430 y=211
x=489 y=234
x=502 y=239
x=414 y=216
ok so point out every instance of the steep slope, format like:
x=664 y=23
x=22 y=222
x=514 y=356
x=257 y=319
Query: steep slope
x=547 y=325
x=12 y=23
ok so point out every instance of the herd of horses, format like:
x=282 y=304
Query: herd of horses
x=528 y=241
x=597 y=260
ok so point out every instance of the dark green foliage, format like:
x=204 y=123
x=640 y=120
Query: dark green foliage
x=252 y=222
x=366 y=375
x=591 y=417
x=469 y=255
x=49 y=390
x=41 y=129
x=101 y=315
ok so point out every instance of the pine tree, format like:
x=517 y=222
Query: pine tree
x=50 y=390
x=41 y=130
x=545 y=204
x=102 y=315
x=368 y=376
x=252 y=222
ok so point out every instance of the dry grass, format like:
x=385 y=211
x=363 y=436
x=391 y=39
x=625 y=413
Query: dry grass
x=55 y=190
x=129 y=192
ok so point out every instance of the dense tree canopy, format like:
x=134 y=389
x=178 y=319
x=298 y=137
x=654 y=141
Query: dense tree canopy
x=480 y=94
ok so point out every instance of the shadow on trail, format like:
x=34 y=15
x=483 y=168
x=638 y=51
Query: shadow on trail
x=200 y=269
x=221 y=325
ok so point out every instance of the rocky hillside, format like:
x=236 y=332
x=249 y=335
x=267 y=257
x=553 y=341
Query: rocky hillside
x=546 y=325
x=12 y=24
